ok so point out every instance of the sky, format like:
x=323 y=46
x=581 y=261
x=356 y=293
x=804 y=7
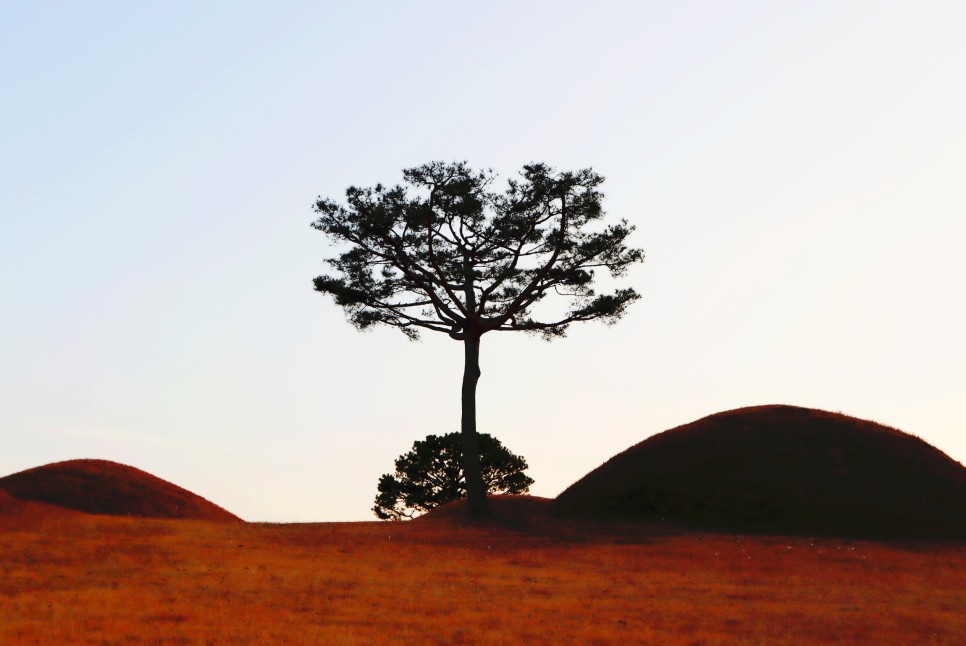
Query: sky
x=796 y=173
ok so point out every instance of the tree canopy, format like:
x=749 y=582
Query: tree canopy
x=449 y=254
x=431 y=474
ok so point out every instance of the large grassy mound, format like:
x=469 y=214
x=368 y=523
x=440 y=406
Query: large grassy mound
x=104 y=487
x=781 y=469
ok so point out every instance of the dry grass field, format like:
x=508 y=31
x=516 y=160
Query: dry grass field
x=69 y=577
x=95 y=552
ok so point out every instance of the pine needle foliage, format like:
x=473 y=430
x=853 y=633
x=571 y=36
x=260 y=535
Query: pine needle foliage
x=445 y=252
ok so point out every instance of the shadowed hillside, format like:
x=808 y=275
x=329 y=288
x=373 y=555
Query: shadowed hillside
x=104 y=487
x=781 y=469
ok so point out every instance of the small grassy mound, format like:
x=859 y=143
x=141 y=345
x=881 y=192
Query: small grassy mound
x=502 y=507
x=781 y=470
x=6 y=499
x=104 y=487
x=24 y=514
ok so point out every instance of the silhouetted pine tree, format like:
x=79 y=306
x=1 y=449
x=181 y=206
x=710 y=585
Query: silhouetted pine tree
x=446 y=253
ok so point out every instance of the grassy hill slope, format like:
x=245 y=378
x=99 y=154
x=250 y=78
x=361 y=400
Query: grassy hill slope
x=781 y=469
x=104 y=487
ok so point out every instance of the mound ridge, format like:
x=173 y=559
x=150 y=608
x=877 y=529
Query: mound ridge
x=110 y=488
x=784 y=470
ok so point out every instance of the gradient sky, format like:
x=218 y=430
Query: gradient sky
x=796 y=173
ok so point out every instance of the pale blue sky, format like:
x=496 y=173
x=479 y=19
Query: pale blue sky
x=796 y=171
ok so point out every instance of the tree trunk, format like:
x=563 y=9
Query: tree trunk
x=475 y=489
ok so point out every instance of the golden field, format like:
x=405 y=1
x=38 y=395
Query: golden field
x=68 y=577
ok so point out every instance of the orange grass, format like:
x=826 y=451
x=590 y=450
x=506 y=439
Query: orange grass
x=98 y=579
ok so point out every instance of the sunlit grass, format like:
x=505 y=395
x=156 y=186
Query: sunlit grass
x=97 y=579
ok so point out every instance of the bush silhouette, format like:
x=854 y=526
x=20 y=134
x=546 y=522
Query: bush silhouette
x=431 y=474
